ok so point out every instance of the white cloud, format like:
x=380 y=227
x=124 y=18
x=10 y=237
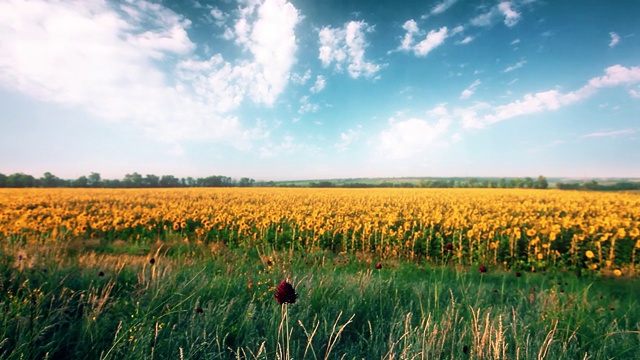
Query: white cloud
x=615 y=39
x=511 y=17
x=412 y=29
x=441 y=7
x=515 y=42
x=634 y=93
x=485 y=19
x=319 y=84
x=470 y=90
x=301 y=79
x=346 y=46
x=111 y=60
x=609 y=133
x=503 y=10
x=547 y=100
x=518 y=65
x=306 y=106
x=347 y=138
x=433 y=40
x=466 y=40
x=219 y=16
x=407 y=138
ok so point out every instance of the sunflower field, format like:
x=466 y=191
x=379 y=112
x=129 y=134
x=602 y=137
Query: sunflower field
x=525 y=229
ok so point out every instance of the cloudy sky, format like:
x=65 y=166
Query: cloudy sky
x=306 y=89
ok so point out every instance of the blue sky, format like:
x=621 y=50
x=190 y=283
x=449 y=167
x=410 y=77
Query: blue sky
x=285 y=90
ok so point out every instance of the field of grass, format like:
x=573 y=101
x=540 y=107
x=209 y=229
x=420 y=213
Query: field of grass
x=188 y=301
x=380 y=274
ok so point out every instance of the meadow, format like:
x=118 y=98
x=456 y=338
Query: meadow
x=379 y=273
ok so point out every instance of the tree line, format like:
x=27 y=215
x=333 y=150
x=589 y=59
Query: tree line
x=526 y=183
x=135 y=180
x=594 y=186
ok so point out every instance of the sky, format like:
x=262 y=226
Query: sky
x=306 y=89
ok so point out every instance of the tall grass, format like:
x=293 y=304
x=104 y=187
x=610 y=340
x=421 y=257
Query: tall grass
x=199 y=302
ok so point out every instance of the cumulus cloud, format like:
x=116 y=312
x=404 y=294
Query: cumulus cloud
x=615 y=39
x=407 y=138
x=470 y=90
x=346 y=46
x=110 y=59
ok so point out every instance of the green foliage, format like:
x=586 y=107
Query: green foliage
x=218 y=303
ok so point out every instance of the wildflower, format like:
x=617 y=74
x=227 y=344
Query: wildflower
x=482 y=269
x=20 y=257
x=101 y=273
x=285 y=293
x=617 y=272
x=518 y=274
x=379 y=266
x=199 y=310
x=152 y=261
x=589 y=254
x=448 y=247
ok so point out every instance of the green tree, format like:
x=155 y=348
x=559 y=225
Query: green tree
x=132 y=180
x=82 y=182
x=95 y=180
x=541 y=183
x=49 y=180
x=246 y=182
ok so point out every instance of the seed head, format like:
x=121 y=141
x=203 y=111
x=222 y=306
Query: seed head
x=285 y=293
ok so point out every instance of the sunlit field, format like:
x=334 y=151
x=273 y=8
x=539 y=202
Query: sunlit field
x=508 y=228
x=379 y=273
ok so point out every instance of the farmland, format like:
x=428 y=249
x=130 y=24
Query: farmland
x=104 y=273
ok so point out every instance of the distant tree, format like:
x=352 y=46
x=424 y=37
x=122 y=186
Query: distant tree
x=95 y=180
x=528 y=183
x=151 y=180
x=20 y=180
x=80 y=182
x=49 y=180
x=502 y=183
x=169 y=181
x=132 y=180
x=246 y=182
x=541 y=183
x=590 y=185
x=3 y=180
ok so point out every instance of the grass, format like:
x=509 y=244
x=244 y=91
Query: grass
x=210 y=302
